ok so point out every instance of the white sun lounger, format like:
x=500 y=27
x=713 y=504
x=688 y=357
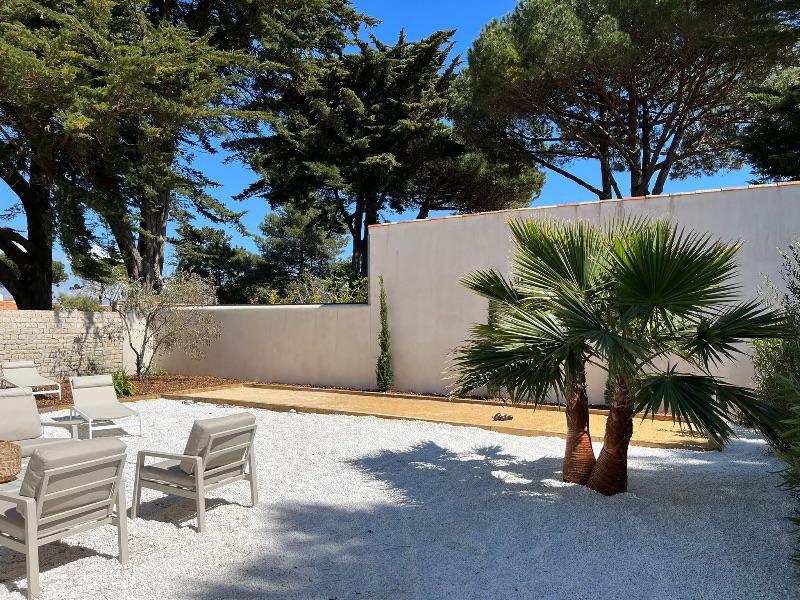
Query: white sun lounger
x=23 y=373
x=95 y=401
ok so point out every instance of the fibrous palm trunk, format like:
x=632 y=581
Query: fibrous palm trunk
x=579 y=460
x=610 y=474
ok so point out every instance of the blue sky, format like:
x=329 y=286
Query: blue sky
x=419 y=18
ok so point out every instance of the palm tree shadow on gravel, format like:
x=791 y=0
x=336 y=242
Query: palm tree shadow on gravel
x=489 y=525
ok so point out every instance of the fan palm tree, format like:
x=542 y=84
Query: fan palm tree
x=631 y=297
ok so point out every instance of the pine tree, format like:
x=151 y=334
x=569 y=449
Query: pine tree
x=383 y=370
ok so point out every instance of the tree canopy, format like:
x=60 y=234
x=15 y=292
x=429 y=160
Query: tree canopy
x=771 y=143
x=655 y=90
x=365 y=135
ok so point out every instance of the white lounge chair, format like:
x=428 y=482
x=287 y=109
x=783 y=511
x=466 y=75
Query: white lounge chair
x=218 y=452
x=95 y=401
x=23 y=373
x=21 y=424
x=67 y=489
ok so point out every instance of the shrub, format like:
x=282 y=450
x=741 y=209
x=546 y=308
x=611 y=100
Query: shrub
x=778 y=359
x=383 y=370
x=81 y=302
x=123 y=385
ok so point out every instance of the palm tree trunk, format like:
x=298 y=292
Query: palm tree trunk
x=610 y=474
x=579 y=458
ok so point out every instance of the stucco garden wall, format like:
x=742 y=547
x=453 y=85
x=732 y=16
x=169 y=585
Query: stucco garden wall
x=60 y=343
x=315 y=344
x=430 y=313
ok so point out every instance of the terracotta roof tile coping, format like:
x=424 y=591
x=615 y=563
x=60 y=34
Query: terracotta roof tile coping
x=632 y=198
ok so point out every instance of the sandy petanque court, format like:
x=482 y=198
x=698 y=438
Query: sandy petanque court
x=658 y=432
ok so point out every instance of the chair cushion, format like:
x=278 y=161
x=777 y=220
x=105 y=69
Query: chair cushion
x=12 y=523
x=62 y=455
x=170 y=471
x=201 y=433
x=20 y=416
x=31 y=445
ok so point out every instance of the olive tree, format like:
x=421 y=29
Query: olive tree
x=155 y=323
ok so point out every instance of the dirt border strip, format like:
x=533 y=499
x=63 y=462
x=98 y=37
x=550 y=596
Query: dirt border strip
x=548 y=407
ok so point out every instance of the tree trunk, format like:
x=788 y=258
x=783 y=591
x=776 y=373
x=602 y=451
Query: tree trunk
x=610 y=474
x=32 y=285
x=579 y=458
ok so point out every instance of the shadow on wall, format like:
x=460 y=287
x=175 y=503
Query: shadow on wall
x=490 y=525
x=90 y=344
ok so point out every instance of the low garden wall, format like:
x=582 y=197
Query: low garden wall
x=320 y=344
x=60 y=343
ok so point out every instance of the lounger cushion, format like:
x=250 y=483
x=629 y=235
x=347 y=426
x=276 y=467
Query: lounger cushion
x=23 y=373
x=32 y=445
x=18 y=364
x=62 y=455
x=170 y=471
x=201 y=433
x=93 y=390
x=20 y=416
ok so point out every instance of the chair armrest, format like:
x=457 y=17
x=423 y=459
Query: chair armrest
x=71 y=425
x=15 y=498
x=144 y=453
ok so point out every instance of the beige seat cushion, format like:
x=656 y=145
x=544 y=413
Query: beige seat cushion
x=169 y=471
x=12 y=523
x=201 y=433
x=20 y=416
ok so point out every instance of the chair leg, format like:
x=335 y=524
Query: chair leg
x=253 y=477
x=137 y=490
x=201 y=511
x=122 y=523
x=200 y=490
x=32 y=553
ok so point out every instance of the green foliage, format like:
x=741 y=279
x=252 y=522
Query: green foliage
x=778 y=360
x=240 y=276
x=123 y=385
x=771 y=144
x=80 y=301
x=365 y=135
x=173 y=317
x=295 y=243
x=656 y=90
x=383 y=370
x=336 y=289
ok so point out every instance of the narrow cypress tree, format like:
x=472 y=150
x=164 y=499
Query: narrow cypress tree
x=492 y=386
x=383 y=370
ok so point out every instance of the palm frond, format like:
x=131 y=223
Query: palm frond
x=492 y=285
x=719 y=336
x=705 y=403
x=662 y=270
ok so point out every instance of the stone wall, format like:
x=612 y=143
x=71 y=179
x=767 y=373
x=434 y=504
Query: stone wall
x=61 y=343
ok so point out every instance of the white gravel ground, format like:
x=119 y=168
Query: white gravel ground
x=359 y=507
